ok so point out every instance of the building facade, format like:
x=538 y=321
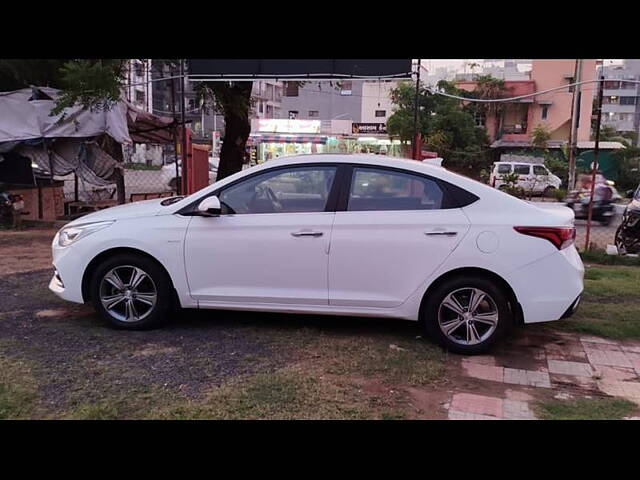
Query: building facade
x=621 y=100
x=267 y=97
x=514 y=124
x=326 y=100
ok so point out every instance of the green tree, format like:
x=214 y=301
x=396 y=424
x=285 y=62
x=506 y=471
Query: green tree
x=540 y=136
x=445 y=125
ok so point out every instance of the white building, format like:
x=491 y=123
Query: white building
x=267 y=96
x=138 y=88
x=377 y=106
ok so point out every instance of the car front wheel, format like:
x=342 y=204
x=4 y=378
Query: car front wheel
x=467 y=314
x=131 y=292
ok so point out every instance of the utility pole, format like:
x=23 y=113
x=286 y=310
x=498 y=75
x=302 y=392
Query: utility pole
x=575 y=118
x=595 y=162
x=175 y=129
x=183 y=115
x=416 y=133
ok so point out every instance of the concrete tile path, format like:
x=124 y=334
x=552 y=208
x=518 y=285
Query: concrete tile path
x=560 y=366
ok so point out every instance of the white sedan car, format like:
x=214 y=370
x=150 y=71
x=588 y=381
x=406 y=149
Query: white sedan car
x=362 y=235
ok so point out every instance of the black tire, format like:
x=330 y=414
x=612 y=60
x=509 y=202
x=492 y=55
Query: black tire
x=548 y=192
x=158 y=281
x=496 y=294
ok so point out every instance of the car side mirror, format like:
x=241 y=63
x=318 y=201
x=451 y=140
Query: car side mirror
x=210 y=207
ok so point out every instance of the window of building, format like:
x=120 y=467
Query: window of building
x=269 y=111
x=314 y=113
x=545 y=111
x=291 y=89
x=376 y=189
x=293 y=114
x=140 y=97
x=613 y=100
x=628 y=100
x=381 y=113
x=138 y=69
x=479 y=118
x=261 y=107
x=345 y=87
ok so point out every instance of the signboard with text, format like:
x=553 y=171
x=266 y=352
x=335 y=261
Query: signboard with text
x=359 y=128
x=284 y=125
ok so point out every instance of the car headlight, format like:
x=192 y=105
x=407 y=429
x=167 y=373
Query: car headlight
x=69 y=235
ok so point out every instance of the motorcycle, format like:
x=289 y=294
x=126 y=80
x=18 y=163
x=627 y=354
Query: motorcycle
x=603 y=210
x=627 y=237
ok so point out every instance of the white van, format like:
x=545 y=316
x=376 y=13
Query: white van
x=532 y=177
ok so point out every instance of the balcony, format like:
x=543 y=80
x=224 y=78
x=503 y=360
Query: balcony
x=518 y=128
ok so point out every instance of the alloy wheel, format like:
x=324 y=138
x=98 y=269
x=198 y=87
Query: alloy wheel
x=128 y=293
x=468 y=316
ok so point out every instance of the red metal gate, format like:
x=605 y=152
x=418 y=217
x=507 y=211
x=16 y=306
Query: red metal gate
x=195 y=168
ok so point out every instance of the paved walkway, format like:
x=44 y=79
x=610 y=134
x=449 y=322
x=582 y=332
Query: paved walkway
x=536 y=366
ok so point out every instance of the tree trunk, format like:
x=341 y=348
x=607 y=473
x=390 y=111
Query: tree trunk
x=235 y=102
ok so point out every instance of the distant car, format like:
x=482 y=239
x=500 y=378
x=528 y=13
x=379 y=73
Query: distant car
x=169 y=172
x=532 y=177
x=364 y=235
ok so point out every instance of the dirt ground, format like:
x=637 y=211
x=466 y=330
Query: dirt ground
x=58 y=360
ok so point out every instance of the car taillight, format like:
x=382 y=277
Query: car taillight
x=561 y=237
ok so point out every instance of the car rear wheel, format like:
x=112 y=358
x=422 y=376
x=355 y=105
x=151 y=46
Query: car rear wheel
x=467 y=314
x=131 y=292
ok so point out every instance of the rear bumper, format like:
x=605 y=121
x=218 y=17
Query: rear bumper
x=550 y=287
x=572 y=308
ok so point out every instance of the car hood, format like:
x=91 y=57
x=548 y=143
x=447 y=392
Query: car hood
x=144 y=208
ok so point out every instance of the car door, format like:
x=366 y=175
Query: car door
x=502 y=169
x=542 y=177
x=395 y=231
x=270 y=244
x=524 y=176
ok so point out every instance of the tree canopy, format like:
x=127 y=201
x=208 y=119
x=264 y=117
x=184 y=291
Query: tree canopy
x=446 y=125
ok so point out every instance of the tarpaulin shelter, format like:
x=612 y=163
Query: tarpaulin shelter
x=77 y=140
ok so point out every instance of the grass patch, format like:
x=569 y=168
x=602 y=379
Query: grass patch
x=610 y=305
x=141 y=166
x=612 y=282
x=413 y=362
x=612 y=320
x=285 y=395
x=604 y=408
x=601 y=257
x=18 y=397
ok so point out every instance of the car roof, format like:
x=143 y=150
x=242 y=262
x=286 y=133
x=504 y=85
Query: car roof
x=364 y=158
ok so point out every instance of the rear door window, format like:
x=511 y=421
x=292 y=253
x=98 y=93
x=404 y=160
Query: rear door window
x=522 y=169
x=378 y=189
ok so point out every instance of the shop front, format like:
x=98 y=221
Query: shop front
x=273 y=138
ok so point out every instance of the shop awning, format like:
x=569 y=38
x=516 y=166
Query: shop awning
x=287 y=139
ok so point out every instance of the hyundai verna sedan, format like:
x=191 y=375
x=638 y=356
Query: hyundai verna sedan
x=359 y=235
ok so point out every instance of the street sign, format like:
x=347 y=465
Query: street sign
x=368 y=128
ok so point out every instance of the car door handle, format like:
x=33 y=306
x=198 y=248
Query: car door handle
x=443 y=233
x=306 y=233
